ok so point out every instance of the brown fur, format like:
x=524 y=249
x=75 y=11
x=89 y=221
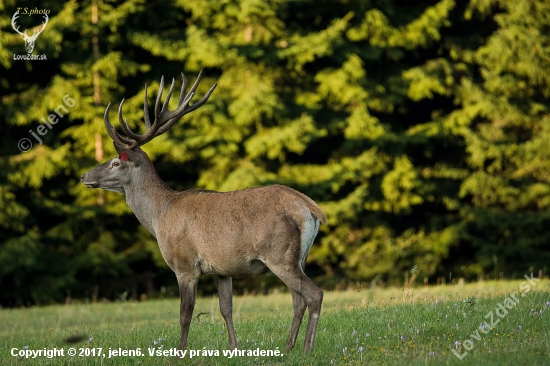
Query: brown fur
x=315 y=210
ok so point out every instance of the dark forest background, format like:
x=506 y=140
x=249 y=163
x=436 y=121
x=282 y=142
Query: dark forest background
x=422 y=128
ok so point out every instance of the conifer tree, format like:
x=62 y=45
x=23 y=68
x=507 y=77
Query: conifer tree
x=418 y=127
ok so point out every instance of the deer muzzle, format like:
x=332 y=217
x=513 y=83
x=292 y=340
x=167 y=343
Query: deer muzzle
x=88 y=184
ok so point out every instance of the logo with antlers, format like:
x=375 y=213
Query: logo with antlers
x=29 y=40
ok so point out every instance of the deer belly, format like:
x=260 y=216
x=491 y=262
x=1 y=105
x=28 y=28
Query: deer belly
x=236 y=267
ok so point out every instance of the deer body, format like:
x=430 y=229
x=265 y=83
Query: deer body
x=234 y=234
x=237 y=234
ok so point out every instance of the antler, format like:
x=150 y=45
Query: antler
x=35 y=34
x=13 y=24
x=24 y=34
x=164 y=118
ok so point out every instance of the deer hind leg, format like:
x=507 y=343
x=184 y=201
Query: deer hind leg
x=299 y=307
x=295 y=278
x=310 y=228
x=225 y=292
x=188 y=292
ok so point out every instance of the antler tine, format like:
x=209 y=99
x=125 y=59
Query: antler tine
x=146 y=111
x=187 y=110
x=193 y=88
x=14 y=24
x=183 y=89
x=123 y=141
x=202 y=100
x=157 y=102
x=125 y=127
x=46 y=18
x=167 y=100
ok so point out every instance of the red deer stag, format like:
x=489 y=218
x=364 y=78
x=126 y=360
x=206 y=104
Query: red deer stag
x=234 y=234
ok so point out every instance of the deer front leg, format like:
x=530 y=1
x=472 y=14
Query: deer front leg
x=188 y=293
x=225 y=292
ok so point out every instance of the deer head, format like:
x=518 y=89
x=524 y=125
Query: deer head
x=29 y=41
x=129 y=166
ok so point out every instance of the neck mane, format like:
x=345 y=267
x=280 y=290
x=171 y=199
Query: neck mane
x=147 y=195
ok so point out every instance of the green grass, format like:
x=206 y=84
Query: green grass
x=366 y=326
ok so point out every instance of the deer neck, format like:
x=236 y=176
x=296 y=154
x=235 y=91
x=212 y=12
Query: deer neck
x=148 y=196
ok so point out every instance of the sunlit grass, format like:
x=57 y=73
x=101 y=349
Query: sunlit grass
x=395 y=326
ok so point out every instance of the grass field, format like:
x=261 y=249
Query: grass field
x=481 y=322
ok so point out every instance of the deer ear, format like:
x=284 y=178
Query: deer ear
x=133 y=156
x=128 y=155
x=119 y=148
